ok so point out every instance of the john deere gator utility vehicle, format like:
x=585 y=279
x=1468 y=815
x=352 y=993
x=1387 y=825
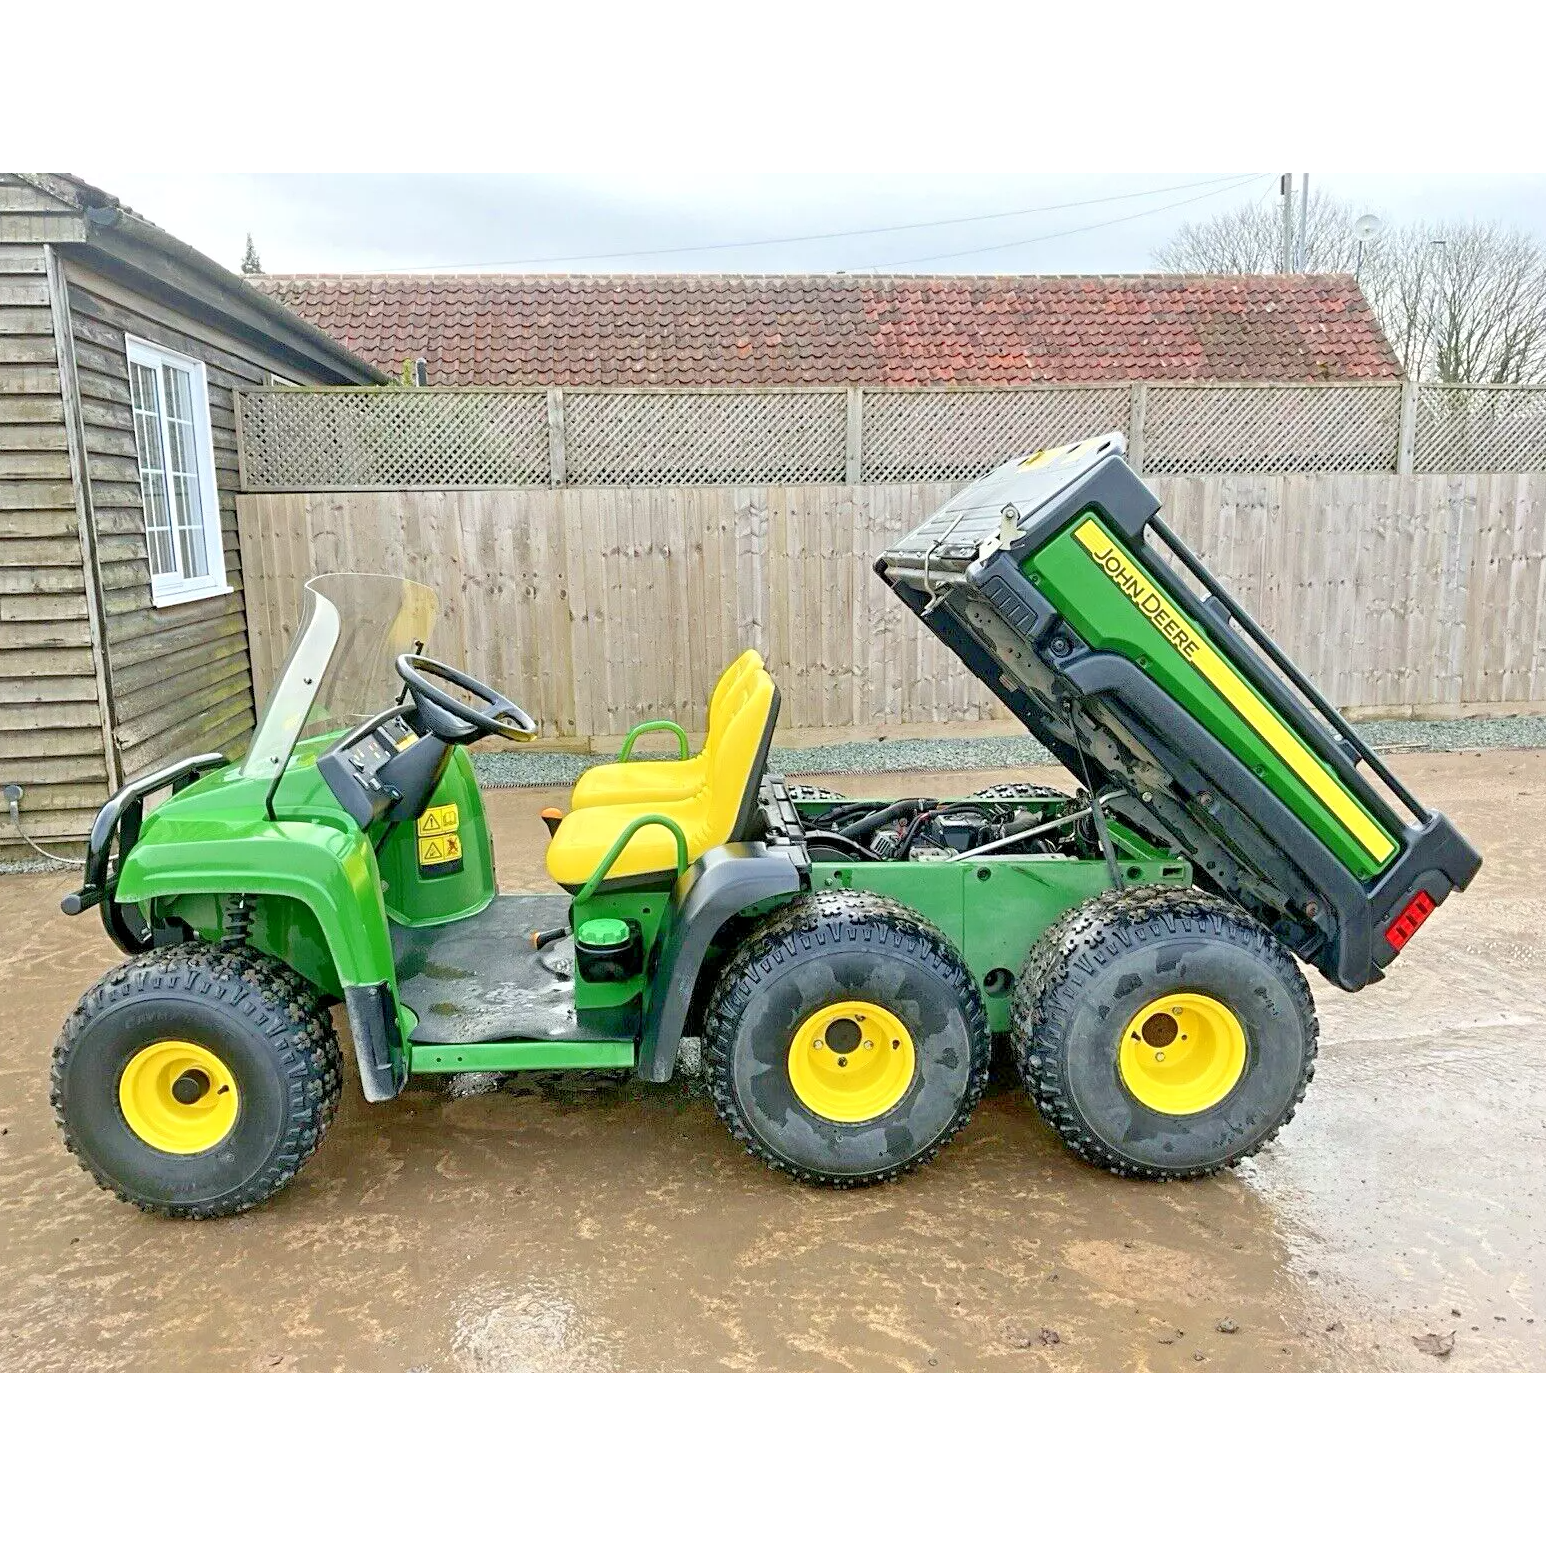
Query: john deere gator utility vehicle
x=846 y=962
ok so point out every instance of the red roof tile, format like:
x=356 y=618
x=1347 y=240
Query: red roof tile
x=837 y=329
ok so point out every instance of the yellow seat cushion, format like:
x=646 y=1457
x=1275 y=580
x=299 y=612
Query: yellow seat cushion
x=630 y=783
x=633 y=783
x=707 y=819
x=583 y=837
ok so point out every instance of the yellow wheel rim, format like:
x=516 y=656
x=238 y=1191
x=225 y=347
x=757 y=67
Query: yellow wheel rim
x=851 y=1062
x=178 y=1097
x=1182 y=1053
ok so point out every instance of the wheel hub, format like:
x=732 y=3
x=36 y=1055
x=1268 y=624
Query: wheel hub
x=1182 y=1053
x=851 y=1061
x=178 y=1097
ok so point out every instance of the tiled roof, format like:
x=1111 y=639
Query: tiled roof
x=834 y=329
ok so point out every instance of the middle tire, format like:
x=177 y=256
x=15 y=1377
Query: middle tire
x=846 y=1041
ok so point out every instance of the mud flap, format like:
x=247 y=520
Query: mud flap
x=721 y=884
x=373 y=1022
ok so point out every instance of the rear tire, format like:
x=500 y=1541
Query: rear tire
x=1127 y=980
x=909 y=1043
x=196 y=1081
x=1024 y=792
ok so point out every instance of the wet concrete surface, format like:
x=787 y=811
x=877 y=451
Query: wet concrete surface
x=579 y=1222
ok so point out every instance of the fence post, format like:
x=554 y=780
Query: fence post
x=855 y=437
x=241 y=442
x=1406 y=440
x=1137 y=405
x=556 y=436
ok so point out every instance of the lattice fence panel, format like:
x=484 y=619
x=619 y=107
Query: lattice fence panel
x=660 y=438
x=393 y=439
x=911 y=435
x=1194 y=429
x=1480 y=429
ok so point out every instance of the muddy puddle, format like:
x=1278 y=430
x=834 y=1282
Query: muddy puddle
x=584 y=1222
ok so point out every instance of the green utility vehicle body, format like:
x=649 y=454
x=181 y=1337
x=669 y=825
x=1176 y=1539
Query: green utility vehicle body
x=350 y=847
x=346 y=907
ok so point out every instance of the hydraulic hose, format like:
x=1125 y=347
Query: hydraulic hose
x=867 y=824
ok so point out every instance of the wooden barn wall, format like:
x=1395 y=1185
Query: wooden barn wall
x=180 y=677
x=51 y=737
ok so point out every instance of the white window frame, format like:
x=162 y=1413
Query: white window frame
x=172 y=589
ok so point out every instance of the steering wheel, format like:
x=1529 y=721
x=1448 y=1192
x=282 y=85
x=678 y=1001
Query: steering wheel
x=449 y=717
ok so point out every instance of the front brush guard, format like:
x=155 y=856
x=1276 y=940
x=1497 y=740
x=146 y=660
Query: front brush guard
x=120 y=819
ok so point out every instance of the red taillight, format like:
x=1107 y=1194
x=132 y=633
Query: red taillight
x=1413 y=916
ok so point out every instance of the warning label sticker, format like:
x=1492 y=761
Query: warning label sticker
x=445 y=849
x=437 y=819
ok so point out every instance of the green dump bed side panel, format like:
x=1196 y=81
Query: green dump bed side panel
x=1056 y=581
x=1116 y=604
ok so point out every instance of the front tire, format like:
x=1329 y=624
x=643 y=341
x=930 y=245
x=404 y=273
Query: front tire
x=1163 y=1033
x=846 y=1041
x=195 y=1082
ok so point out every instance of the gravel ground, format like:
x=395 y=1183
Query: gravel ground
x=519 y=770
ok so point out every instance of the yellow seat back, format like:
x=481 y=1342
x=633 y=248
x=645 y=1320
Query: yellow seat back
x=728 y=693
x=731 y=791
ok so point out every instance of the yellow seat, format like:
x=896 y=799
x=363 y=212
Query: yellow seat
x=722 y=810
x=633 y=783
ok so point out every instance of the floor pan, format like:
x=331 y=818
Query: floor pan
x=479 y=979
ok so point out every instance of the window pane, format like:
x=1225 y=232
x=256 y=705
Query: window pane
x=147 y=409
x=158 y=524
x=190 y=527
x=147 y=444
x=187 y=501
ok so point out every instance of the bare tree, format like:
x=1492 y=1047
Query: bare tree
x=1488 y=305
x=1459 y=301
x=1249 y=240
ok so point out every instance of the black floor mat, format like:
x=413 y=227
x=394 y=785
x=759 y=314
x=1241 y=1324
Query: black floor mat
x=479 y=979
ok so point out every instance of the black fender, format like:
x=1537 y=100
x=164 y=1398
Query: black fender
x=725 y=881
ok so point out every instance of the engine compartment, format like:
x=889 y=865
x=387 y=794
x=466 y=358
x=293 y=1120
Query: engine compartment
x=1004 y=821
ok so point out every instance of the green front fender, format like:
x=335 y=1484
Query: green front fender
x=328 y=870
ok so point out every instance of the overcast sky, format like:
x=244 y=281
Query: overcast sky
x=960 y=224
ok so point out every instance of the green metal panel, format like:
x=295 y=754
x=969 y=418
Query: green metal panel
x=994 y=910
x=1108 y=619
x=937 y=890
x=419 y=899
x=214 y=839
x=648 y=909
x=319 y=892
x=499 y=1056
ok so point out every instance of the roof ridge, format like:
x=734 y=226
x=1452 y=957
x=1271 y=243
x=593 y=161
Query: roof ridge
x=802 y=276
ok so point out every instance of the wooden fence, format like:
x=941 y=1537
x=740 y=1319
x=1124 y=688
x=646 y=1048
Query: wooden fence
x=601 y=607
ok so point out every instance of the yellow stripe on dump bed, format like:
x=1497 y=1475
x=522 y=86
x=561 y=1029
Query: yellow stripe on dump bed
x=1188 y=640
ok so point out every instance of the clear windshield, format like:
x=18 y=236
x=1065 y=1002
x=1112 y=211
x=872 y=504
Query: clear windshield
x=340 y=666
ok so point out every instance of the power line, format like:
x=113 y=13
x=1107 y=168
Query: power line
x=1047 y=236
x=824 y=236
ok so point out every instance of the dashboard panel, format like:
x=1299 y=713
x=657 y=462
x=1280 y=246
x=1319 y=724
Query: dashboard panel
x=363 y=768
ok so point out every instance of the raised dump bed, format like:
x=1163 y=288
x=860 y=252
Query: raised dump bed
x=1058 y=584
